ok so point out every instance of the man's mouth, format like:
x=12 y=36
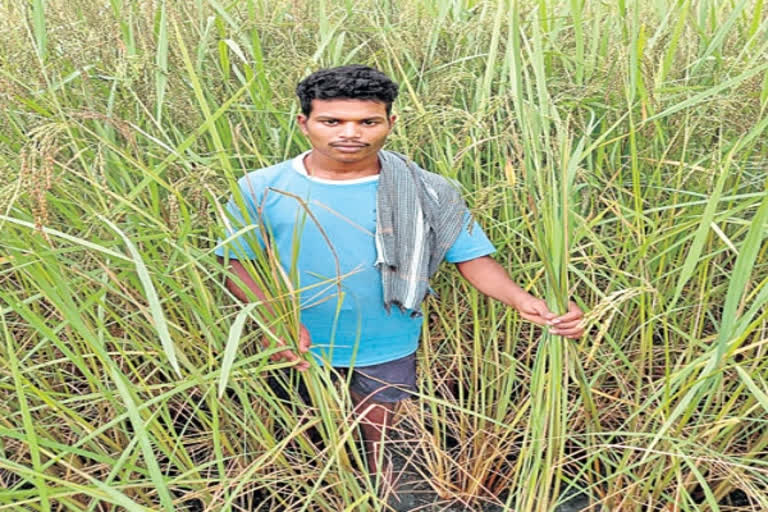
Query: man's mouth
x=348 y=145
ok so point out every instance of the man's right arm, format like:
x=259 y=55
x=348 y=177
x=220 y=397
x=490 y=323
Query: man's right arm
x=239 y=270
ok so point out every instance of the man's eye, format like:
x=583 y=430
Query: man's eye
x=330 y=122
x=369 y=122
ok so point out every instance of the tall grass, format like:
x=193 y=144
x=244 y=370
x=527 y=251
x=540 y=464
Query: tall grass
x=614 y=153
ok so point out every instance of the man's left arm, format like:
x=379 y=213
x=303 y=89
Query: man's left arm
x=491 y=279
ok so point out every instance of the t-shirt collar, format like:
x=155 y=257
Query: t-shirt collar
x=298 y=165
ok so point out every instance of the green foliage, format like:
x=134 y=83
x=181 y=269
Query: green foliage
x=614 y=153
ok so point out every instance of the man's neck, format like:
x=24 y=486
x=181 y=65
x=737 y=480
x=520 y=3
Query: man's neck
x=320 y=166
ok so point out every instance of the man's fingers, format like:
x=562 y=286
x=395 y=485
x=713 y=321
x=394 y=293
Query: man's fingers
x=304 y=339
x=300 y=364
x=540 y=308
x=570 y=332
x=574 y=312
x=572 y=324
x=284 y=354
x=289 y=355
x=533 y=318
x=577 y=331
x=568 y=317
x=528 y=316
x=266 y=342
x=570 y=329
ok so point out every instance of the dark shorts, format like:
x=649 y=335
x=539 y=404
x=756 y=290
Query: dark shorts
x=392 y=381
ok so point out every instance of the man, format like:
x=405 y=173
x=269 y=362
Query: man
x=378 y=228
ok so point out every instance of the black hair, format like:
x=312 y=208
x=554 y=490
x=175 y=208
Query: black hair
x=353 y=82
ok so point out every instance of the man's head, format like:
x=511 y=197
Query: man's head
x=353 y=82
x=347 y=113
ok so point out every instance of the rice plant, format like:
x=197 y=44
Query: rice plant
x=613 y=152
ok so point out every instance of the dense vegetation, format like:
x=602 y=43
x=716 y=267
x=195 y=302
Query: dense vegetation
x=615 y=152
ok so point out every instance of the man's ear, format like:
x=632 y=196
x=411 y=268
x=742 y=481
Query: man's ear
x=301 y=119
x=392 y=120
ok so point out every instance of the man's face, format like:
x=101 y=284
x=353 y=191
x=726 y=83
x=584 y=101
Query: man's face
x=347 y=131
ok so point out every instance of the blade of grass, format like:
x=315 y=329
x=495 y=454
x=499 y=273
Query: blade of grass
x=29 y=427
x=230 y=351
x=160 y=323
x=161 y=61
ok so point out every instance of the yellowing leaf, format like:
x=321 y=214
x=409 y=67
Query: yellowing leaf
x=509 y=172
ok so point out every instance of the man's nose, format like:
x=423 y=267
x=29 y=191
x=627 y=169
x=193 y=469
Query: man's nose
x=350 y=130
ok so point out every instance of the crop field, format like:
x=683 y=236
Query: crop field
x=614 y=152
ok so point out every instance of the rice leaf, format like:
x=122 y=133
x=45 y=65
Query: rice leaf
x=160 y=323
x=233 y=341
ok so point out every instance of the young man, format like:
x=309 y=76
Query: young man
x=389 y=224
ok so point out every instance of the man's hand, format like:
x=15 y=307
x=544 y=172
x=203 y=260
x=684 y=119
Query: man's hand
x=242 y=273
x=536 y=311
x=304 y=342
x=491 y=279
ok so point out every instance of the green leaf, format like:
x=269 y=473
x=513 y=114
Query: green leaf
x=233 y=341
x=154 y=302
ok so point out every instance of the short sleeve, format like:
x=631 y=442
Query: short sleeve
x=241 y=221
x=470 y=244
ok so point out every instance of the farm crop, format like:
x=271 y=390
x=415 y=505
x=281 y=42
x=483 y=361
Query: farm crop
x=615 y=153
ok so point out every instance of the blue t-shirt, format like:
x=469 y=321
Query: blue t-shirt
x=350 y=327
